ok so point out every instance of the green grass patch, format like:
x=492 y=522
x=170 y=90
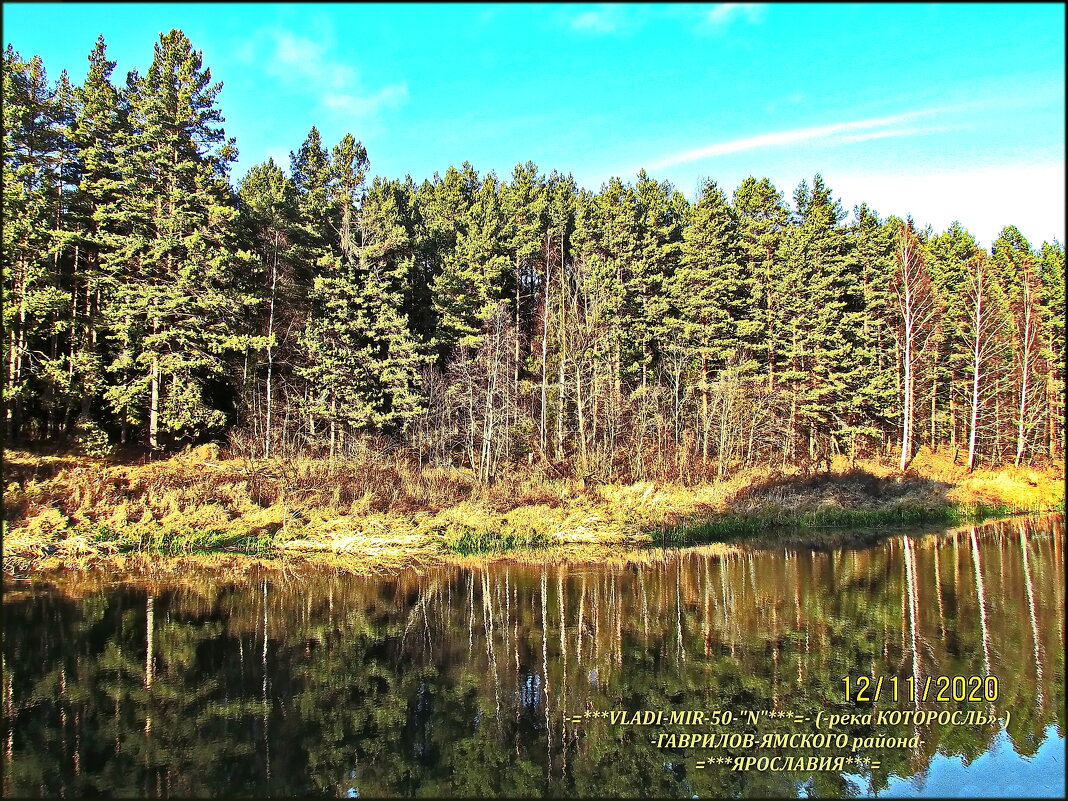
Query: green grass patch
x=171 y=542
x=468 y=541
x=731 y=527
x=204 y=541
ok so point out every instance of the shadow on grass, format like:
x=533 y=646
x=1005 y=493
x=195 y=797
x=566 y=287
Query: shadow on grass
x=22 y=472
x=828 y=509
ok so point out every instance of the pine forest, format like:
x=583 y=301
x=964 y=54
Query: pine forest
x=485 y=322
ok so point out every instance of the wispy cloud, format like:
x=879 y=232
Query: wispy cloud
x=392 y=95
x=626 y=19
x=605 y=19
x=867 y=136
x=881 y=126
x=310 y=63
x=722 y=13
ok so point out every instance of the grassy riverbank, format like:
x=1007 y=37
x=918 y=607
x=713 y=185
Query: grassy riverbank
x=380 y=510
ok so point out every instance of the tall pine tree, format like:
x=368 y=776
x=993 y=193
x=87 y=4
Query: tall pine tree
x=172 y=313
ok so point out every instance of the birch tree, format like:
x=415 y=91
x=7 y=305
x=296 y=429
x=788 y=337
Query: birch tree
x=983 y=326
x=916 y=311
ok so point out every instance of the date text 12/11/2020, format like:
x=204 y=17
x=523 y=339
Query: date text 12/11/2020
x=940 y=689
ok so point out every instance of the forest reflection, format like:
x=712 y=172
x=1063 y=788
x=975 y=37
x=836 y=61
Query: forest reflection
x=460 y=681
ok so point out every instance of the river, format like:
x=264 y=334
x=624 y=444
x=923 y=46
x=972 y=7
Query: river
x=489 y=679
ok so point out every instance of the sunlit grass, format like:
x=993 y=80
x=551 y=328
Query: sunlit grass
x=375 y=509
x=783 y=522
x=467 y=541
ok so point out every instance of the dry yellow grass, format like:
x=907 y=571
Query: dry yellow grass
x=382 y=512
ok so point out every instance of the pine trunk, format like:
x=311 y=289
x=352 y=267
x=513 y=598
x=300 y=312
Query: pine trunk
x=153 y=405
x=270 y=351
x=704 y=407
x=544 y=361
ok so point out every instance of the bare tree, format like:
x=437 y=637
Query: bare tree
x=982 y=328
x=479 y=400
x=918 y=311
x=498 y=407
x=1027 y=324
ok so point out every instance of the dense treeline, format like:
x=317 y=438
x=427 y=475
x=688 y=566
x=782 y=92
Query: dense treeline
x=627 y=333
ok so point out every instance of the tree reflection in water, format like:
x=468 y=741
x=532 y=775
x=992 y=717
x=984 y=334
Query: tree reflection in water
x=459 y=681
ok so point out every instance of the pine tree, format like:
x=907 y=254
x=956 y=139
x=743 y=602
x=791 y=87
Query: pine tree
x=823 y=305
x=709 y=289
x=349 y=161
x=313 y=176
x=948 y=256
x=417 y=299
x=560 y=219
x=173 y=310
x=710 y=293
x=386 y=262
x=95 y=133
x=315 y=238
x=445 y=206
x=613 y=249
x=762 y=218
x=1013 y=264
x=271 y=219
x=469 y=284
x=870 y=410
x=590 y=322
x=363 y=363
x=328 y=199
x=63 y=365
x=36 y=305
x=525 y=204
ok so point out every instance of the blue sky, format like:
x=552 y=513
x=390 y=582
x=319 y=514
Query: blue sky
x=999 y=772
x=940 y=111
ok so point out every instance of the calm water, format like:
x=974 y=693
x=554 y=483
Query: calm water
x=461 y=681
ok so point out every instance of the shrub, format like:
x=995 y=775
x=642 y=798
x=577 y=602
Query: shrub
x=92 y=440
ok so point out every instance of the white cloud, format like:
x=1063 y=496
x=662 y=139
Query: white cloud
x=984 y=199
x=604 y=20
x=309 y=63
x=867 y=136
x=355 y=104
x=723 y=13
x=304 y=58
x=791 y=137
x=626 y=19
